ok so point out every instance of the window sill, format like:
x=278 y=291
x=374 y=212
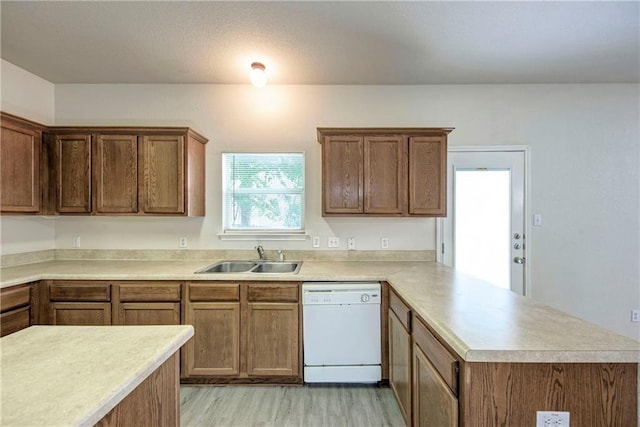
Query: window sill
x=252 y=235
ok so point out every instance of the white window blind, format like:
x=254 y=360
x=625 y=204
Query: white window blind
x=263 y=192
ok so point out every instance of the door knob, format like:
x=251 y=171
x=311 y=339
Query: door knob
x=518 y=260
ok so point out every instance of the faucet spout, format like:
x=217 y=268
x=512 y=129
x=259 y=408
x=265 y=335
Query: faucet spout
x=260 y=250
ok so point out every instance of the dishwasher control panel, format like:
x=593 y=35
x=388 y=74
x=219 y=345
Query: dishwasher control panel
x=340 y=293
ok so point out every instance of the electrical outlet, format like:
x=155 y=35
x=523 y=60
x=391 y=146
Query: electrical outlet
x=552 y=419
x=333 y=242
x=315 y=241
x=384 y=243
x=635 y=315
x=76 y=241
x=351 y=243
x=182 y=242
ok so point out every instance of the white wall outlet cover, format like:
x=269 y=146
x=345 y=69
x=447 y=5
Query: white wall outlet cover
x=76 y=241
x=635 y=315
x=333 y=242
x=315 y=241
x=384 y=243
x=182 y=242
x=351 y=243
x=552 y=419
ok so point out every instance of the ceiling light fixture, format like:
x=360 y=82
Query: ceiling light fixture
x=258 y=74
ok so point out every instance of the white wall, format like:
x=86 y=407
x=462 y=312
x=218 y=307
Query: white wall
x=585 y=161
x=29 y=96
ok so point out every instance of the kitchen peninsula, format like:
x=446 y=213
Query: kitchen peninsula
x=513 y=356
x=86 y=375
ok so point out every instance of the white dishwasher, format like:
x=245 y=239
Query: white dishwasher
x=341 y=332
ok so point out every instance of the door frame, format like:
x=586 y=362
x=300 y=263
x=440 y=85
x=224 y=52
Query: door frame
x=526 y=150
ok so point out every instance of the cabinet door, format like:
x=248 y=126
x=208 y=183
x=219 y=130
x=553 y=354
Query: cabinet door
x=20 y=169
x=428 y=175
x=342 y=175
x=149 y=313
x=116 y=174
x=434 y=404
x=162 y=164
x=73 y=173
x=80 y=313
x=400 y=365
x=273 y=339
x=385 y=179
x=14 y=320
x=214 y=349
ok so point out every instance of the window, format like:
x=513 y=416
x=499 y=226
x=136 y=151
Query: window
x=263 y=192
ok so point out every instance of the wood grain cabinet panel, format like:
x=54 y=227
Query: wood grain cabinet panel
x=214 y=349
x=384 y=174
x=73 y=173
x=384 y=171
x=15 y=320
x=15 y=296
x=115 y=174
x=79 y=291
x=80 y=313
x=400 y=365
x=163 y=163
x=149 y=313
x=342 y=175
x=272 y=339
x=20 y=150
x=427 y=175
x=434 y=404
x=149 y=291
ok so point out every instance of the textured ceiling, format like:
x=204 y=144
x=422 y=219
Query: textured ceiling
x=324 y=42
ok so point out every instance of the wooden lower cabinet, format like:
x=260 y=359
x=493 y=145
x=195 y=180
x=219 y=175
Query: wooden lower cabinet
x=15 y=305
x=214 y=349
x=400 y=365
x=272 y=339
x=14 y=320
x=149 y=313
x=80 y=313
x=434 y=404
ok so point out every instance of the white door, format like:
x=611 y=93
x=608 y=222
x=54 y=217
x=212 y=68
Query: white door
x=484 y=232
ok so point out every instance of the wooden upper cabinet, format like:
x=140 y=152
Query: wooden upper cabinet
x=342 y=174
x=116 y=174
x=73 y=173
x=163 y=164
x=384 y=171
x=384 y=174
x=428 y=175
x=20 y=148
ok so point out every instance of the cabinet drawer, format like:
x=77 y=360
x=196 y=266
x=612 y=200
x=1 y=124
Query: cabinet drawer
x=68 y=291
x=442 y=360
x=146 y=291
x=14 y=320
x=14 y=297
x=214 y=292
x=400 y=309
x=280 y=292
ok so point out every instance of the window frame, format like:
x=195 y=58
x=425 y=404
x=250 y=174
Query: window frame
x=262 y=233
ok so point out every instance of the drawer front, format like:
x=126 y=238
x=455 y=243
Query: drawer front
x=14 y=320
x=149 y=291
x=277 y=292
x=400 y=309
x=69 y=291
x=443 y=361
x=214 y=292
x=14 y=297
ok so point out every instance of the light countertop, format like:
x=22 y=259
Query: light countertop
x=75 y=375
x=480 y=322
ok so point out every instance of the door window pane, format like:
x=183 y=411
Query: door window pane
x=482 y=224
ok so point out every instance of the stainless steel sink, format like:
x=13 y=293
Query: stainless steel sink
x=286 y=267
x=277 y=267
x=228 y=267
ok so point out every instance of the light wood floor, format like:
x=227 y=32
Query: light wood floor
x=274 y=406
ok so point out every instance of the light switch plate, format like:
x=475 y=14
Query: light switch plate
x=76 y=241
x=315 y=241
x=384 y=243
x=182 y=242
x=537 y=220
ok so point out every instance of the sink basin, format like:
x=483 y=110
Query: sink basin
x=277 y=267
x=228 y=267
x=287 y=267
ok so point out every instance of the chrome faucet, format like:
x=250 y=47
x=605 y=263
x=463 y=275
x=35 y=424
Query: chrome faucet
x=260 y=250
